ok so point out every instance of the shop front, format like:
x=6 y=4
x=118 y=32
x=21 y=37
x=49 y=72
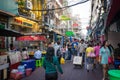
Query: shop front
x=23 y=25
x=4 y=33
x=32 y=42
x=3 y=63
x=113 y=23
x=3 y=25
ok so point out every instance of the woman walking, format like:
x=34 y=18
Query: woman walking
x=97 y=51
x=104 y=54
x=90 y=55
x=51 y=64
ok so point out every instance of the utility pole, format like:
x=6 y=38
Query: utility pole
x=42 y=3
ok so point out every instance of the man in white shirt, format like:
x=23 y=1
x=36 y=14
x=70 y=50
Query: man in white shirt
x=81 y=48
x=37 y=54
x=56 y=47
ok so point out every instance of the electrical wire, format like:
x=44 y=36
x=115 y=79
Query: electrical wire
x=81 y=2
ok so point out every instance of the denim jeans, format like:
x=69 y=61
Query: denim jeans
x=69 y=55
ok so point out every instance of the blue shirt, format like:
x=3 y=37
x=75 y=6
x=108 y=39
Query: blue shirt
x=74 y=45
x=104 y=53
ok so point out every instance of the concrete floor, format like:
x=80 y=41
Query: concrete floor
x=70 y=73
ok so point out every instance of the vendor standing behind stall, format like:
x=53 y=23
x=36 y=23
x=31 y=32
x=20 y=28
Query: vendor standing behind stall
x=25 y=54
x=37 y=56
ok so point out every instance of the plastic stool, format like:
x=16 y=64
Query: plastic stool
x=38 y=63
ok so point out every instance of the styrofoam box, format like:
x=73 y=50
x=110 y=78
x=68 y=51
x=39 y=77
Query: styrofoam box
x=3 y=59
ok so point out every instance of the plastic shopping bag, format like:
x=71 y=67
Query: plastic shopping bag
x=110 y=60
x=62 y=60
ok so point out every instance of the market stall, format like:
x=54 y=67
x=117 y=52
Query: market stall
x=31 y=42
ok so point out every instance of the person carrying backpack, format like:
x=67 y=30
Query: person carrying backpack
x=58 y=52
x=51 y=65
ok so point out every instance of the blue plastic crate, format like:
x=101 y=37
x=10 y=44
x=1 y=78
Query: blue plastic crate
x=116 y=63
x=29 y=64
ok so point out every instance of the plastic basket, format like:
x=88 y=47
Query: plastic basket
x=114 y=74
x=116 y=63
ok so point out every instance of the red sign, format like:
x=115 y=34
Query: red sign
x=18 y=21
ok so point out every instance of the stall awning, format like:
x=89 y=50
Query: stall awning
x=115 y=7
x=9 y=33
x=31 y=38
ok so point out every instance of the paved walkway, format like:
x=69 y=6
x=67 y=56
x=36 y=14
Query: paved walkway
x=70 y=73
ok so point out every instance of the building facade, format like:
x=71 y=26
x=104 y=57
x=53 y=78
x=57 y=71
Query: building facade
x=24 y=17
x=105 y=20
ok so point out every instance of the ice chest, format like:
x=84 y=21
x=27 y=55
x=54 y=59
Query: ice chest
x=29 y=64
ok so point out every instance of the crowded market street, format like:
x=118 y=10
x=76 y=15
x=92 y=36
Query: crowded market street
x=70 y=73
x=59 y=39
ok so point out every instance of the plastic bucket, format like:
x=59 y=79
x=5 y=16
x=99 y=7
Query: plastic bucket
x=21 y=68
x=18 y=76
x=13 y=73
x=28 y=71
x=114 y=74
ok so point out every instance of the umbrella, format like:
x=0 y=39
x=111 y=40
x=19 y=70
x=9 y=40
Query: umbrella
x=69 y=33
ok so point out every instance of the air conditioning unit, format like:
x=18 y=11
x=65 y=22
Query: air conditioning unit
x=32 y=15
x=29 y=5
x=50 y=4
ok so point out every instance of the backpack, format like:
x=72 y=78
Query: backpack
x=58 y=52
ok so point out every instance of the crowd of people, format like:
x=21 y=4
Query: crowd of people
x=92 y=52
